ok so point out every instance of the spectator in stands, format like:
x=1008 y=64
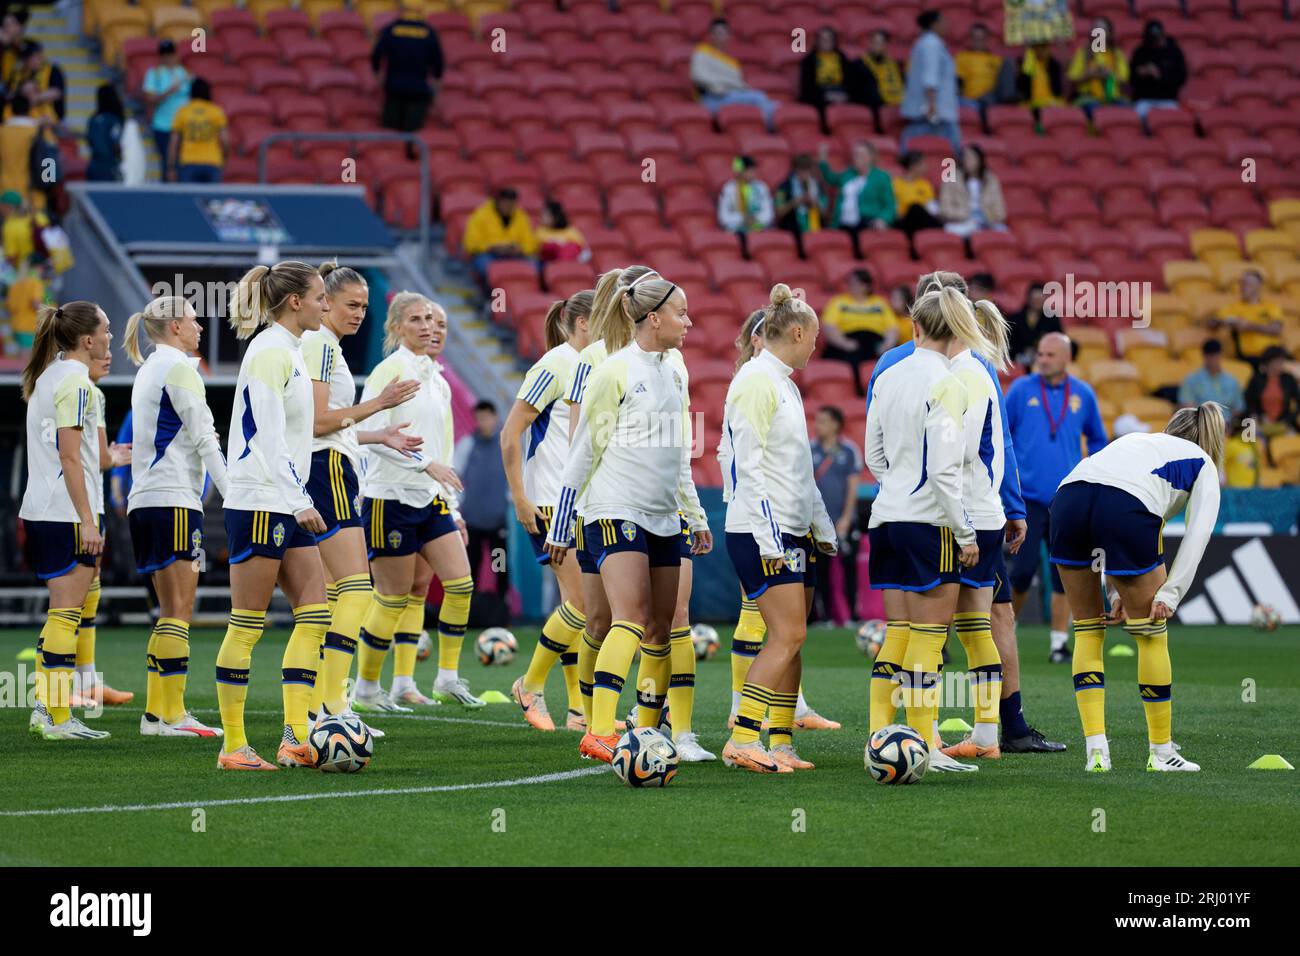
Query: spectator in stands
x=558 y=240
x=16 y=137
x=1099 y=70
x=973 y=201
x=498 y=229
x=884 y=69
x=1210 y=383
x=914 y=196
x=930 y=98
x=104 y=134
x=837 y=468
x=1255 y=323
x=825 y=75
x=866 y=193
x=980 y=286
x=477 y=459
x=1029 y=325
x=1273 y=395
x=1042 y=81
x=900 y=300
x=1240 y=455
x=745 y=203
x=166 y=89
x=859 y=325
x=25 y=296
x=1157 y=69
x=40 y=81
x=977 y=70
x=718 y=78
x=801 y=203
x=13 y=29
x=200 y=144
x=408 y=53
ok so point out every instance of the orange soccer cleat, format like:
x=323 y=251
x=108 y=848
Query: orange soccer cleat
x=596 y=747
x=576 y=721
x=245 y=758
x=815 y=721
x=294 y=754
x=752 y=757
x=968 y=749
x=533 y=706
x=786 y=757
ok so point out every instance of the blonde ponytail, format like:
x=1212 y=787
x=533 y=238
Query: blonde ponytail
x=945 y=314
x=154 y=317
x=745 y=340
x=262 y=292
x=610 y=319
x=563 y=315
x=57 y=330
x=997 y=331
x=1202 y=426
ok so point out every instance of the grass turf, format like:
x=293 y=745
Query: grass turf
x=1023 y=810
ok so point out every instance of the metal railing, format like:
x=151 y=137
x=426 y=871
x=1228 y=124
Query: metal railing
x=426 y=183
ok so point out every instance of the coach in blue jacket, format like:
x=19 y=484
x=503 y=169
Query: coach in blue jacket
x=1051 y=413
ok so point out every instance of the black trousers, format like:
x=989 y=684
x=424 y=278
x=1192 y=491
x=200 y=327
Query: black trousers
x=823 y=603
x=405 y=113
x=493 y=541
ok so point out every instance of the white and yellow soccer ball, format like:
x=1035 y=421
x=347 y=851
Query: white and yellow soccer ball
x=343 y=744
x=643 y=757
x=705 y=640
x=1264 y=618
x=897 y=754
x=871 y=635
x=496 y=646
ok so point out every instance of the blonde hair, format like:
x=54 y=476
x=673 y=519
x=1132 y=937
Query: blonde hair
x=563 y=315
x=931 y=281
x=784 y=309
x=997 y=331
x=945 y=313
x=397 y=309
x=154 y=317
x=745 y=340
x=609 y=321
x=262 y=292
x=1203 y=426
x=339 y=277
x=57 y=330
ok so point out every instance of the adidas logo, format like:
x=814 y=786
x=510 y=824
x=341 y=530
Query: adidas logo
x=640 y=388
x=1229 y=594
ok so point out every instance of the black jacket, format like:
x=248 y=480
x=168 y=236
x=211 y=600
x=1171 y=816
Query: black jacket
x=1173 y=72
x=413 y=54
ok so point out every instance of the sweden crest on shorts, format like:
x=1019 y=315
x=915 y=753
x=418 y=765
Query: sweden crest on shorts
x=794 y=559
x=629 y=530
x=278 y=534
x=196 y=539
x=394 y=539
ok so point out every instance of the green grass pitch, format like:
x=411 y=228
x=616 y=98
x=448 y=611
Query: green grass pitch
x=1023 y=810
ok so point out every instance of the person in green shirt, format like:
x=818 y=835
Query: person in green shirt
x=865 y=197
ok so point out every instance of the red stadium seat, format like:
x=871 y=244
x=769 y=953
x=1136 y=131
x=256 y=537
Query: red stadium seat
x=738 y=119
x=1062 y=120
x=1117 y=119
x=729 y=273
x=1183 y=213
x=990 y=246
x=1171 y=124
x=1005 y=119
x=935 y=245
x=255 y=53
x=236 y=27
x=799 y=123
x=827 y=242
x=563 y=278
x=771 y=246
x=851 y=120
x=272 y=81
x=301 y=112
x=339 y=24
x=632 y=211
x=687 y=120
x=290 y=171
x=630 y=116
x=309 y=54
x=708 y=240
x=321 y=82
x=287 y=27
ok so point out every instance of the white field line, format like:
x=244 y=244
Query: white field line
x=377 y=718
x=297 y=797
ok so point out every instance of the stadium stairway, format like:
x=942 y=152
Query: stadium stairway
x=455 y=291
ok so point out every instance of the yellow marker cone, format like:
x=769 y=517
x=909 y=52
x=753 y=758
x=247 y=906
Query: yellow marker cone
x=955 y=725
x=27 y=654
x=1122 y=650
x=494 y=697
x=1271 y=762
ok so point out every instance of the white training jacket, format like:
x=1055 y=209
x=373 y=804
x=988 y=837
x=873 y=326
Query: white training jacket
x=546 y=443
x=174 y=441
x=63 y=398
x=323 y=357
x=985 y=454
x=269 y=446
x=916 y=444
x=767 y=461
x=1165 y=473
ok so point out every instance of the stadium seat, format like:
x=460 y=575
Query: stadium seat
x=1189 y=278
x=827 y=242
x=1212 y=245
x=1271 y=245
x=1115 y=380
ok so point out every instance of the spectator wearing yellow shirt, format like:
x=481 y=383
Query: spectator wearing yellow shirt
x=977 y=69
x=26 y=293
x=914 y=196
x=1041 y=78
x=884 y=68
x=498 y=229
x=1254 y=322
x=900 y=300
x=1099 y=70
x=21 y=228
x=16 y=137
x=40 y=81
x=1240 y=457
x=859 y=325
x=199 y=142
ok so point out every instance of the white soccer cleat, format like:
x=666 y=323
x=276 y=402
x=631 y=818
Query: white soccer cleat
x=414 y=698
x=1098 y=761
x=423 y=646
x=689 y=749
x=456 y=692
x=40 y=718
x=70 y=729
x=187 y=726
x=942 y=763
x=1170 y=763
x=378 y=703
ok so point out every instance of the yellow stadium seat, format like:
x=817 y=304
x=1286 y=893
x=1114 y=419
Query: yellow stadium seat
x=1148 y=407
x=1184 y=340
x=1089 y=337
x=1164 y=372
x=1271 y=477
x=205 y=7
x=1238 y=369
x=1282 y=211
x=1285 y=278
x=1148 y=339
x=118 y=24
x=1115 y=380
x=1107 y=410
x=152 y=5
x=370 y=9
x=1087 y=356
x=1227 y=272
x=176 y=23
x=1188 y=278
x=260 y=8
x=1291 y=339
x=91 y=11
x=314 y=8
x=1271 y=245
x=1211 y=245
x=1208 y=303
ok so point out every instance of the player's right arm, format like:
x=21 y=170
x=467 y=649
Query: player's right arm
x=540 y=387
x=189 y=397
x=1202 y=514
x=268 y=375
x=602 y=396
x=71 y=401
x=945 y=454
x=751 y=408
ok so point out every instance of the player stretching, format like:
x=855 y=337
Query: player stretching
x=1115 y=503
x=272 y=532
x=335 y=456
x=410 y=509
x=630 y=438
x=173 y=426
x=534 y=476
x=776 y=524
x=64 y=537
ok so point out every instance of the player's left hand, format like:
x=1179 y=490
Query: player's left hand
x=1016 y=531
x=969 y=555
x=119 y=454
x=701 y=541
x=828 y=547
x=398 y=440
x=1160 y=611
x=556 y=553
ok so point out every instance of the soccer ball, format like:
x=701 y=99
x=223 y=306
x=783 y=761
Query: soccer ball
x=496 y=645
x=705 y=640
x=343 y=744
x=643 y=757
x=1265 y=618
x=897 y=754
x=870 y=636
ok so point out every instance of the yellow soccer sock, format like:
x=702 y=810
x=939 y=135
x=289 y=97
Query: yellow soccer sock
x=746 y=642
x=406 y=637
x=884 y=675
x=588 y=651
x=652 y=676
x=298 y=667
x=754 y=701
x=58 y=660
x=377 y=633
x=172 y=655
x=1090 y=675
x=1155 y=676
x=332 y=595
x=610 y=673
x=452 y=618
x=154 y=703
x=86 y=628
x=920 y=675
x=681 y=685
x=234 y=659
x=780 y=731
x=352 y=600
x=983 y=663
x=559 y=632
x=572 y=690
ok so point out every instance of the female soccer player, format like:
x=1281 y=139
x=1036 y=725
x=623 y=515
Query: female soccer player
x=272 y=531
x=64 y=538
x=919 y=531
x=630 y=458
x=410 y=509
x=776 y=525
x=179 y=447
x=1115 y=504
x=335 y=458
x=534 y=476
